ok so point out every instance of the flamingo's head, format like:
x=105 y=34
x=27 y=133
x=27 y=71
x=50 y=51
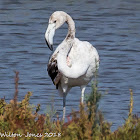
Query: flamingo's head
x=56 y=20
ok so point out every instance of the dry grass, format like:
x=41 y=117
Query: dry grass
x=18 y=118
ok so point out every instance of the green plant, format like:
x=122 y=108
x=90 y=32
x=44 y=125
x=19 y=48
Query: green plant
x=20 y=121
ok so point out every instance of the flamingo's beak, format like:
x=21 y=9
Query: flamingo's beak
x=49 y=35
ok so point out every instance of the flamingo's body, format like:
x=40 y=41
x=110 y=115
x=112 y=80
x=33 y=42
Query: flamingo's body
x=74 y=62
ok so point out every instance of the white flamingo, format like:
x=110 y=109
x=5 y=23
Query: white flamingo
x=74 y=62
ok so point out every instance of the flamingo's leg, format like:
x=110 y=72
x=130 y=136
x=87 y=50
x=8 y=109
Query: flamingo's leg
x=82 y=93
x=64 y=106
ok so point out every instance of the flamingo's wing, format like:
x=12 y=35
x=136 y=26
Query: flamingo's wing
x=81 y=56
x=53 y=71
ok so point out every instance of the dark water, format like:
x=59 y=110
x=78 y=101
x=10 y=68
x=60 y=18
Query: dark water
x=113 y=27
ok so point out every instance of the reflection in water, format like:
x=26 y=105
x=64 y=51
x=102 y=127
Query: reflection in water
x=112 y=27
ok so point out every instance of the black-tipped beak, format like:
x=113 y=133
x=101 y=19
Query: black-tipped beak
x=49 y=34
x=49 y=45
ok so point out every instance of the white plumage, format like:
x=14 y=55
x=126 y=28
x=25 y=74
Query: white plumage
x=74 y=62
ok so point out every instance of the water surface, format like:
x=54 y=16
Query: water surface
x=113 y=27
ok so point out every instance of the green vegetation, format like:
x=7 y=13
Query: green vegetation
x=20 y=121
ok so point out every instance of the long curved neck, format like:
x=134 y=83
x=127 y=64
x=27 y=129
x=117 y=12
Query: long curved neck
x=71 y=28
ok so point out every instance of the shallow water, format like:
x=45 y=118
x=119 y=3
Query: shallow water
x=113 y=27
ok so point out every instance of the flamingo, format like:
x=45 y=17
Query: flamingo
x=73 y=62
